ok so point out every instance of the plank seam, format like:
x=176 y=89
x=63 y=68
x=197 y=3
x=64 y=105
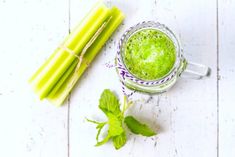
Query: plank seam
x=217 y=72
x=69 y=12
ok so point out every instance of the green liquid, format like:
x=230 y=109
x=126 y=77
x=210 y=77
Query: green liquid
x=149 y=54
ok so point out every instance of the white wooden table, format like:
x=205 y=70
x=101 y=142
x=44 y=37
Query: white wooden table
x=196 y=118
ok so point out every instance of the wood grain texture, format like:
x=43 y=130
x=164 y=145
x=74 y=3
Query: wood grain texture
x=226 y=72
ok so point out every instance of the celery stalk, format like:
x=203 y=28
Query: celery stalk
x=42 y=67
x=58 y=97
x=47 y=79
x=64 y=77
x=59 y=68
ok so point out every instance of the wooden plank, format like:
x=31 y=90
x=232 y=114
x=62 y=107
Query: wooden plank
x=30 y=31
x=191 y=128
x=226 y=10
x=186 y=115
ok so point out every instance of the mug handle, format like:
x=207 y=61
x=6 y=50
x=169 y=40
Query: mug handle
x=195 y=71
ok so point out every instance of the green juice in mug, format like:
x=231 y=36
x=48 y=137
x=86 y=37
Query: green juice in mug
x=149 y=54
x=149 y=59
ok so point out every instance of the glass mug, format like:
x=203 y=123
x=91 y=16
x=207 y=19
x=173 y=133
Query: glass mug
x=181 y=66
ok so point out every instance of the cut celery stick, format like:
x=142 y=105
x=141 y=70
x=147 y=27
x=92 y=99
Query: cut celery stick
x=47 y=79
x=81 y=23
x=64 y=77
x=42 y=67
x=91 y=16
x=59 y=97
x=72 y=68
x=60 y=67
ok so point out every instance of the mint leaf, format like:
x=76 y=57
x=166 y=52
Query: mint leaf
x=119 y=141
x=115 y=125
x=138 y=128
x=109 y=103
x=115 y=128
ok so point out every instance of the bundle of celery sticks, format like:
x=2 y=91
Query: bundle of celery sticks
x=58 y=75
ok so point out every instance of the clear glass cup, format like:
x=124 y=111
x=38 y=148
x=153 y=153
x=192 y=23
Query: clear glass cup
x=181 y=67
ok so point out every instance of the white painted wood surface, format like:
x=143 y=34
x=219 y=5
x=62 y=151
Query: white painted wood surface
x=195 y=118
x=226 y=73
x=30 y=30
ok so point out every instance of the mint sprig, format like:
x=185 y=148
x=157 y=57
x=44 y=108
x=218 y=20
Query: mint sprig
x=110 y=105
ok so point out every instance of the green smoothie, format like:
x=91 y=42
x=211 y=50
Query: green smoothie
x=149 y=54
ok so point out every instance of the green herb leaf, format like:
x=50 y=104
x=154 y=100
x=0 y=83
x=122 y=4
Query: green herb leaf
x=109 y=103
x=138 y=128
x=115 y=125
x=115 y=129
x=119 y=141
